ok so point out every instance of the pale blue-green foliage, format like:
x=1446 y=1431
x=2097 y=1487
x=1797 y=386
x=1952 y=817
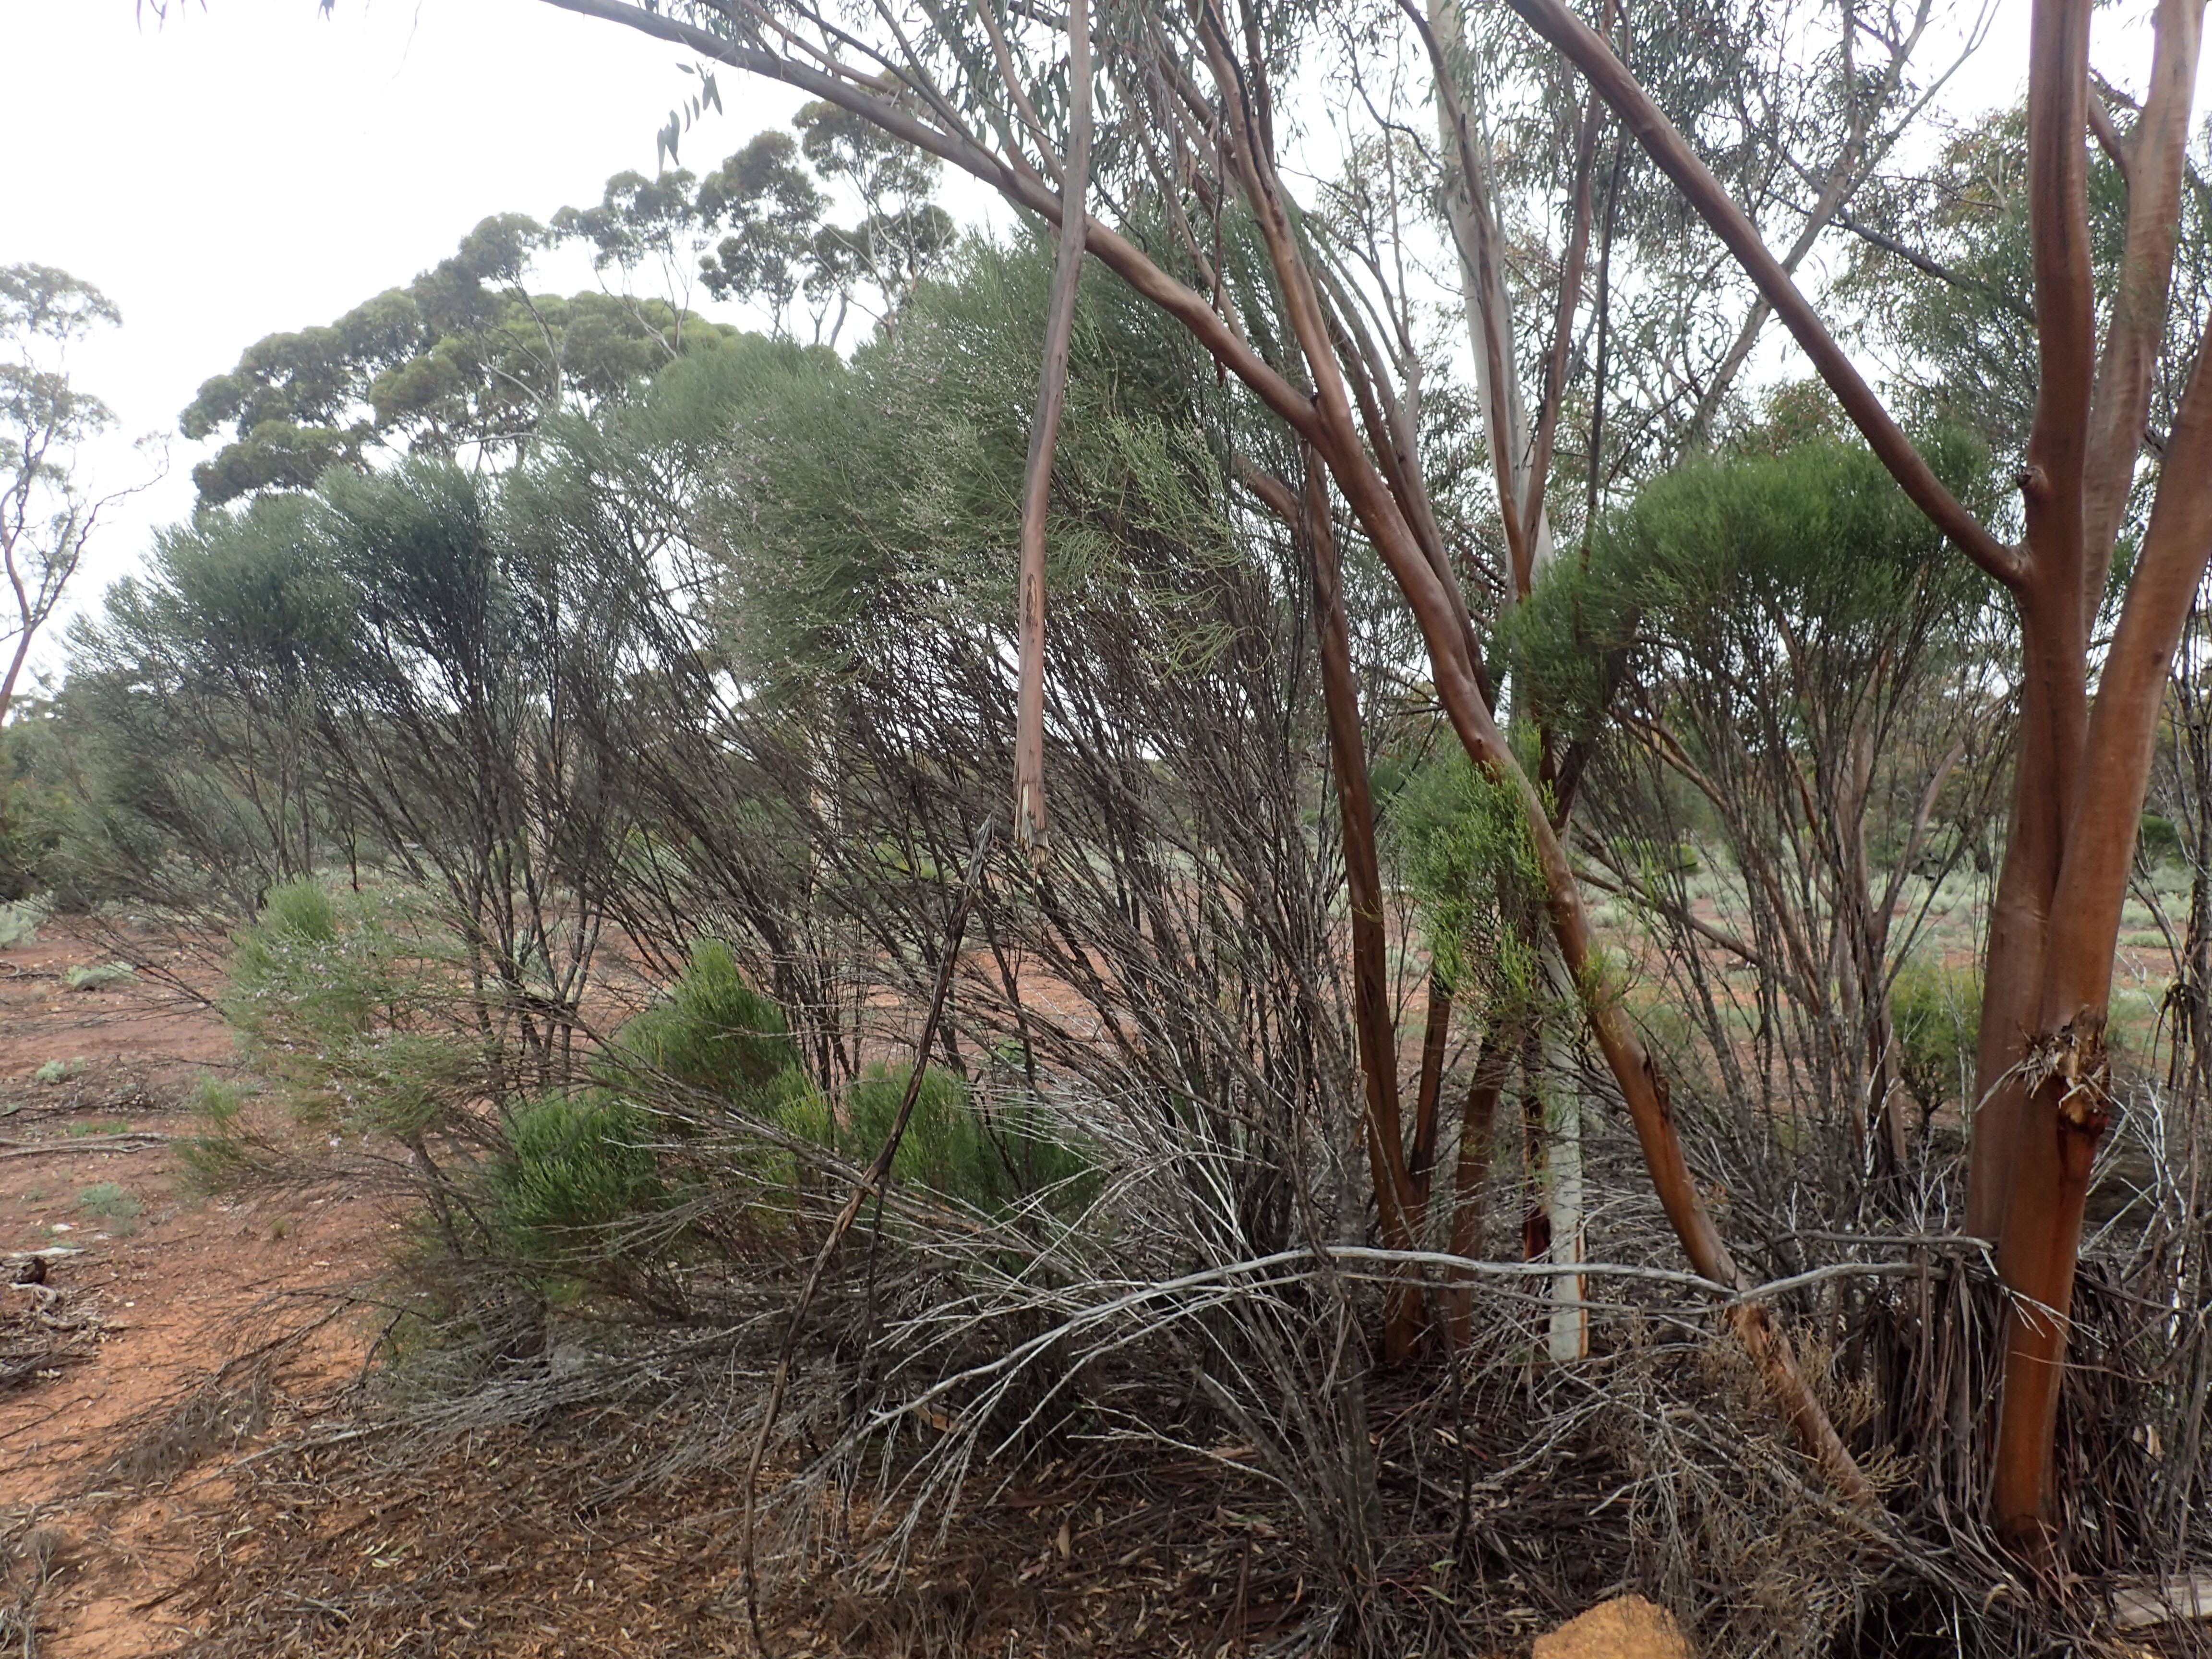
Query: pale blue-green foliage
x=1471 y=868
x=887 y=495
x=348 y=999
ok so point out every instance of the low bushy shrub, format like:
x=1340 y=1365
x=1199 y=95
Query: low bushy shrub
x=579 y=1173
x=222 y=1153
x=1937 y=1014
x=992 y=1157
x=710 y=1033
x=354 y=1003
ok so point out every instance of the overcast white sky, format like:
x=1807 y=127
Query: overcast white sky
x=250 y=166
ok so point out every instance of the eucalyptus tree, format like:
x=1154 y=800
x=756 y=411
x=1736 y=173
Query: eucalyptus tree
x=463 y=361
x=1941 y=272
x=1169 y=122
x=2082 y=763
x=1141 y=131
x=1770 y=645
x=47 y=515
x=758 y=228
x=197 y=681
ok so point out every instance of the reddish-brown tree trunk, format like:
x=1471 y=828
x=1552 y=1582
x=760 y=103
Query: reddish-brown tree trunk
x=1044 y=433
x=1398 y=1192
x=1397 y=1203
x=2066 y=1103
x=1471 y=1173
x=2079 y=779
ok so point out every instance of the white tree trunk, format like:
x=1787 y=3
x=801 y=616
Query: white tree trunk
x=1569 y=1333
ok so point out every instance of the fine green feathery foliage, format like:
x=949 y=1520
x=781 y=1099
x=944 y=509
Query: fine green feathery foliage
x=191 y=711
x=1811 y=553
x=579 y=1170
x=1937 y=1015
x=953 y=1147
x=1473 y=869
x=352 y=1001
x=41 y=792
x=887 y=495
x=222 y=1153
x=711 y=1034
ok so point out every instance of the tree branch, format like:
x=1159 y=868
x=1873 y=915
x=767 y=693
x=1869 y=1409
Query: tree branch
x=1036 y=480
x=1552 y=19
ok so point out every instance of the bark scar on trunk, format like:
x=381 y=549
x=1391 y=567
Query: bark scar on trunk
x=2075 y=1055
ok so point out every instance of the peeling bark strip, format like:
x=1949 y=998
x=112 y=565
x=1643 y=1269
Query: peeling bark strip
x=1044 y=433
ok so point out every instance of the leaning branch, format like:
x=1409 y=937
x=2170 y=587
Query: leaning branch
x=1587 y=52
x=1044 y=433
x=2152 y=163
x=1020 y=187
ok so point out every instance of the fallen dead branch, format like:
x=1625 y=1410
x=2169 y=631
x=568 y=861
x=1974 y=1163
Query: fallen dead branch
x=133 y=1142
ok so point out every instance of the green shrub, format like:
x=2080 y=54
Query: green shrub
x=19 y=922
x=2157 y=840
x=1474 y=877
x=354 y=1003
x=107 y=1202
x=578 y=1172
x=1936 y=1013
x=309 y=969
x=991 y=1160
x=711 y=1032
x=221 y=1157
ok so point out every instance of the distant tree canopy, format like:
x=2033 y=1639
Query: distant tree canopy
x=46 y=514
x=463 y=357
x=1943 y=274
x=765 y=211
x=467 y=359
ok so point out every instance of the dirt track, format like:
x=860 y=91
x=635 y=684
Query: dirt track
x=167 y=1287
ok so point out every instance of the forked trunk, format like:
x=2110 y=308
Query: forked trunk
x=2061 y=1067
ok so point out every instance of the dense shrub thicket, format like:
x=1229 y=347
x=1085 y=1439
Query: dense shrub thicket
x=585 y=840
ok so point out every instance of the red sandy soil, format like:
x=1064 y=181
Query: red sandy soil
x=169 y=1285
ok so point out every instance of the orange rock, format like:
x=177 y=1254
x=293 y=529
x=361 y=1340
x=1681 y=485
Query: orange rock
x=1626 y=1627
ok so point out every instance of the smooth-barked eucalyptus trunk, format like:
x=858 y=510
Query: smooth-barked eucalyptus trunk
x=2081 y=764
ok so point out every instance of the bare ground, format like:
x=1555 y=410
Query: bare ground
x=169 y=1481
x=164 y=1288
